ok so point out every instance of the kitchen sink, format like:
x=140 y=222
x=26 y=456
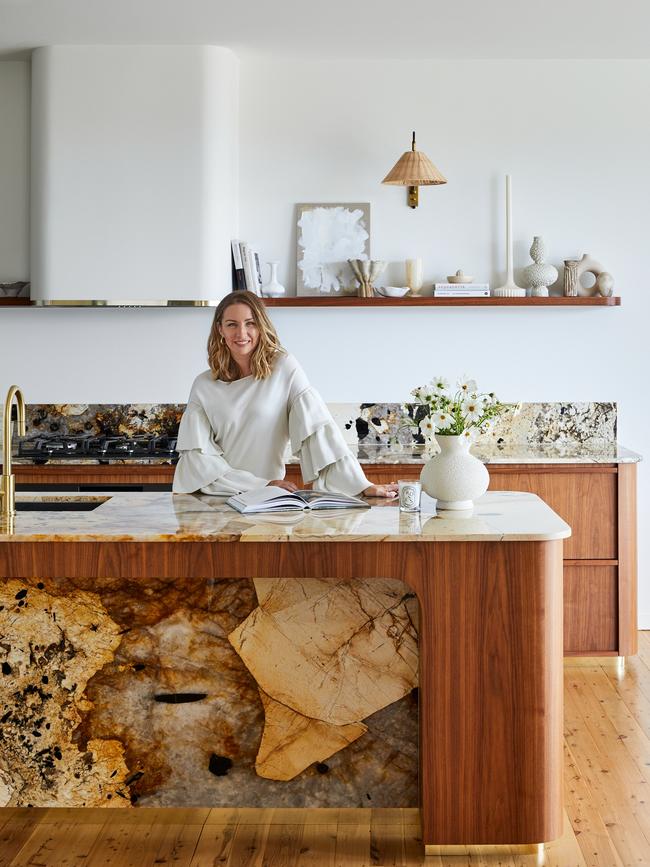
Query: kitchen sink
x=58 y=505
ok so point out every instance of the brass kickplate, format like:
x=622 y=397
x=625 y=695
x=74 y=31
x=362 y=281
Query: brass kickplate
x=489 y=849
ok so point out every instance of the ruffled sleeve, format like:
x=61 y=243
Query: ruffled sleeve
x=201 y=465
x=325 y=458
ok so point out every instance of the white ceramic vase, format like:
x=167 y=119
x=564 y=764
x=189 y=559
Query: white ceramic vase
x=539 y=276
x=454 y=477
x=273 y=289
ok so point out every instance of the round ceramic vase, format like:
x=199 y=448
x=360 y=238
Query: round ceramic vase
x=539 y=276
x=454 y=477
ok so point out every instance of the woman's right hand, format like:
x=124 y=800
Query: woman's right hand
x=280 y=483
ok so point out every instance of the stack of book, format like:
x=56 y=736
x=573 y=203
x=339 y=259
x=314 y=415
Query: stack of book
x=461 y=290
x=246 y=270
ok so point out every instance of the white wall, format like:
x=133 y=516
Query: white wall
x=574 y=136
x=14 y=171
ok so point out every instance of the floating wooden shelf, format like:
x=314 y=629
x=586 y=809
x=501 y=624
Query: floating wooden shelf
x=409 y=301
x=429 y=301
x=9 y=301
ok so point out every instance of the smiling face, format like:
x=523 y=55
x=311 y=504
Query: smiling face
x=240 y=333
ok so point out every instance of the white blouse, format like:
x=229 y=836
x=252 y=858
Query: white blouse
x=233 y=436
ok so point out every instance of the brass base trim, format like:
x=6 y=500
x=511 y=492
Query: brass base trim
x=489 y=849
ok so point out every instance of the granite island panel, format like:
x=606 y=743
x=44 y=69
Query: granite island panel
x=164 y=650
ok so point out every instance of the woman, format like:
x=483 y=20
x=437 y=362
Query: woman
x=249 y=406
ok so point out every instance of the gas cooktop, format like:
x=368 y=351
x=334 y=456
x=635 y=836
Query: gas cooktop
x=40 y=450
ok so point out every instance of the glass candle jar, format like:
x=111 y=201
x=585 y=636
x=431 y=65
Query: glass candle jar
x=410 y=492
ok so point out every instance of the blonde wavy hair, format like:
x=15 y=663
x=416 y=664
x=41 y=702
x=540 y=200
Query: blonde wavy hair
x=222 y=364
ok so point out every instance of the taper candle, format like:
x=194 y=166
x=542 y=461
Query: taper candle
x=509 y=288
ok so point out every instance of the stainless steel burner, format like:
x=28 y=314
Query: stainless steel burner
x=42 y=449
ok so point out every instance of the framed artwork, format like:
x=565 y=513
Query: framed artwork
x=328 y=235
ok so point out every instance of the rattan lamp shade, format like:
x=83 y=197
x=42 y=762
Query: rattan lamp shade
x=414 y=169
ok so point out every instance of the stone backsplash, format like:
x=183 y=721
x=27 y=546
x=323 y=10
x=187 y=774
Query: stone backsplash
x=102 y=419
x=561 y=423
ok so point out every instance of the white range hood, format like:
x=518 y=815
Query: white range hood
x=134 y=174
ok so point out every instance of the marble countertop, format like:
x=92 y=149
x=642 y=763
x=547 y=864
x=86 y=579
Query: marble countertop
x=508 y=453
x=165 y=517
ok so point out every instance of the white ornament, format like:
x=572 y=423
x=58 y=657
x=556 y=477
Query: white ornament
x=604 y=284
x=454 y=477
x=589 y=265
x=540 y=275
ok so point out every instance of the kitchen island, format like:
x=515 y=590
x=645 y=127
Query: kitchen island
x=109 y=615
x=566 y=453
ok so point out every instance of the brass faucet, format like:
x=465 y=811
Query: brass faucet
x=8 y=482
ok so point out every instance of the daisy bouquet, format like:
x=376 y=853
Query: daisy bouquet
x=459 y=412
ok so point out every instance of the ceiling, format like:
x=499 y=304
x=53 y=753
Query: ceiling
x=486 y=29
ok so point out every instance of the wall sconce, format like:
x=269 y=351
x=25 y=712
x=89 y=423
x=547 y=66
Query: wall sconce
x=414 y=169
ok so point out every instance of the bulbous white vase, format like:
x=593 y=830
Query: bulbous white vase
x=454 y=477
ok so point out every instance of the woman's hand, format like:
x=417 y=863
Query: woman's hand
x=388 y=491
x=280 y=483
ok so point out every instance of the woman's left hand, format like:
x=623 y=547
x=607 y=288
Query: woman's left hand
x=389 y=491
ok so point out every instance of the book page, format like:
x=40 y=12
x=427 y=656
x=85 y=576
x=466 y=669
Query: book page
x=259 y=496
x=313 y=496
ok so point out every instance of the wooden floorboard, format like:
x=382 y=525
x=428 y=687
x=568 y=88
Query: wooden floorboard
x=14 y=835
x=607 y=803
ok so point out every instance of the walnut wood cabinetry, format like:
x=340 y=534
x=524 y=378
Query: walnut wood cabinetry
x=598 y=501
x=599 y=558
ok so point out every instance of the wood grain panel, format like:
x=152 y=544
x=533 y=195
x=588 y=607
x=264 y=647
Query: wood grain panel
x=586 y=501
x=94 y=474
x=627 y=560
x=492 y=613
x=590 y=609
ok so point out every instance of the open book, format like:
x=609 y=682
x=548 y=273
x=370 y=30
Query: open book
x=272 y=499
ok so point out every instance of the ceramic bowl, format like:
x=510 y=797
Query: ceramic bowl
x=392 y=291
x=459 y=277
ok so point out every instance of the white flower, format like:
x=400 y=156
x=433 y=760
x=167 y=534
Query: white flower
x=466 y=385
x=442 y=420
x=418 y=394
x=426 y=427
x=439 y=383
x=472 y=409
